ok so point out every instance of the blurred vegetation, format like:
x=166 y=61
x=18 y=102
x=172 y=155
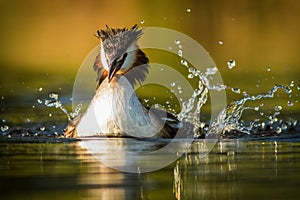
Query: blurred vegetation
x=43 y=43
x=51 y=35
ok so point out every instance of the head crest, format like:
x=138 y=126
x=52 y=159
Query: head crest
x=116 y=42
x=111 y=32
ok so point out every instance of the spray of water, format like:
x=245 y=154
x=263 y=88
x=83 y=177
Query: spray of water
x=54 y=101
x=229 y=119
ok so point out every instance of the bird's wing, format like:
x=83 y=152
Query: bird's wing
x=171 y=123
x=101 y=72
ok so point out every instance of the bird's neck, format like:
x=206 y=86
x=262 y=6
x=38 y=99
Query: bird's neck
x=118 y=110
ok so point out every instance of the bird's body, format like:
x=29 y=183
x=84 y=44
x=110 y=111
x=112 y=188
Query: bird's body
x=115 y=109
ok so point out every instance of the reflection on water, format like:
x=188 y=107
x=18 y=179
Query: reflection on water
x=235 y=169
x=239 y=170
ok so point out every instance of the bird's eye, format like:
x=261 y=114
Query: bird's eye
x=120 y=60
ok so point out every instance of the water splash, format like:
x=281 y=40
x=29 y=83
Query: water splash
x=55 y=102
x=191 y=108
x=229 y=119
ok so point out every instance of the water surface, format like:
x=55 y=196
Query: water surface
x=235 y=169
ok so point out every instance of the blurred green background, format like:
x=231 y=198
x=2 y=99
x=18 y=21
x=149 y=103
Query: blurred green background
x=51 y=35
x=43 y=43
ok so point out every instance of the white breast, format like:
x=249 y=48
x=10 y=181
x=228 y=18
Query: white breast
x=115 y=109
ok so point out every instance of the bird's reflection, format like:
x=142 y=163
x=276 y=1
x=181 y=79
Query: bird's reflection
x=226 y=172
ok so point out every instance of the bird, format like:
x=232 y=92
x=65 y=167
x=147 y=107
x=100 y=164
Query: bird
x=115 y=110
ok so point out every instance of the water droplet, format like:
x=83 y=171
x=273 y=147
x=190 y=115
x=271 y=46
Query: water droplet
x=50 y=115
x=211 y=70
x=42 y=128
x=192 y=70
x=231 y=64
x=4 y=128
x=183 y=62
x=278 y=108
x=53 y=103
x=191 y=76
x=53 y=96
x=278 y=130
x=268 y=69
x=256 y=108
x=284 y=127
x=289 y=90
x=245 y=94
x=292 y=84
x=180 y=53
x=179 y=87
x=180 y=46
x=173 y=84
x=188 y=10
x=142 y=21
x=33 y=107
x=220 y=42
x=236 y=90
x=2 y=97
x=146 y=100
x=39 y=101
x=40 y=89
x=177 y=42
x=290 y=103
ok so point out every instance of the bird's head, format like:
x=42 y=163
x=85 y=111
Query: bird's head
x=120 y=54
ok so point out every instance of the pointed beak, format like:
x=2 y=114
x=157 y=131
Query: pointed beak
x=116 y=66
x=113 y=70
